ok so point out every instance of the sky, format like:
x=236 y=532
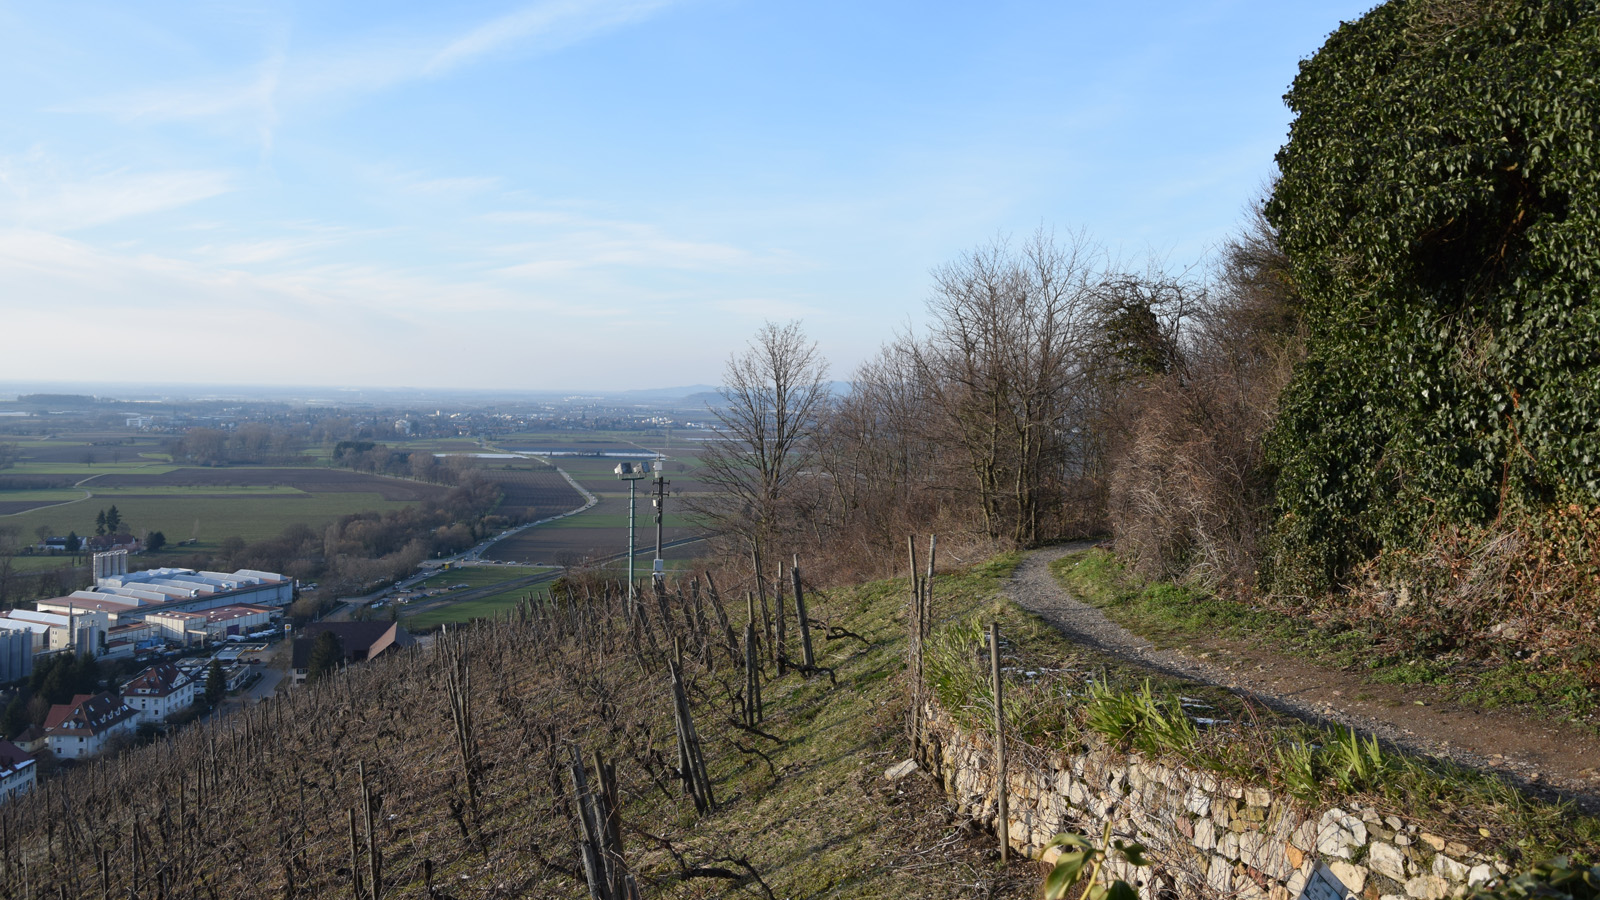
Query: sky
x=589 y=195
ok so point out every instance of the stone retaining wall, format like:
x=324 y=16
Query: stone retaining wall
x=1207 y=837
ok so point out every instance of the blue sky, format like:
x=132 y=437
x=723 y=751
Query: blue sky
x=565 y=195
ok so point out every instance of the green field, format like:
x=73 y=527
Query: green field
x=467 y=610
x=29 y=564
x=473 y=577
x=252 y=515
x=52 y=467
x=643 y=522
x=478 y=576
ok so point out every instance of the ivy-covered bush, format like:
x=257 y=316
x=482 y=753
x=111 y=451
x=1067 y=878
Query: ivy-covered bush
x=1440 y=208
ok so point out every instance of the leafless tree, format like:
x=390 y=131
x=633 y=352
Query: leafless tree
x=1005 y=350
x=773 y=393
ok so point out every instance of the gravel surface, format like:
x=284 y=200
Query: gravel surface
x=1550 y=759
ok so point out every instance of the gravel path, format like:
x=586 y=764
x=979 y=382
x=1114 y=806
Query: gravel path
x=1548 y=758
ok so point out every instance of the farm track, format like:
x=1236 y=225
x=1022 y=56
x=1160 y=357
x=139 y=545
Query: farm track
x=1549 y=759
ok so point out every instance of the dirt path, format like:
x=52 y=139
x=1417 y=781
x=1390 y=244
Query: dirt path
x=1543 y=756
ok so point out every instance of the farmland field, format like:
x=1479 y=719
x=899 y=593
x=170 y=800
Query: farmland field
x=603 y=530
x=532 y=490
x=210 y=504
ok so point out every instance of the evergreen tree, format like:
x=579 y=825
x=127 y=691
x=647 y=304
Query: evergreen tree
x=16 y=716
x=113 y=520
x=326 y=654
x=100 y=522
x=216 y=684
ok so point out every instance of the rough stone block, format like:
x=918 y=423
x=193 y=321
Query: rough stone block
x=1220 y=876
x=1427 y=887
x=1297 y=882
x=1205 y=834
x=1449 y=869
x=1480 y=875
x=1339 y=833
x=1352 y=876
x=1254 y=796
x=1387 y=860
x=1432 y=840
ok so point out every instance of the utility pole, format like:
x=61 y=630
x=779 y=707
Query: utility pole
x=659 y=500
x=631 y=473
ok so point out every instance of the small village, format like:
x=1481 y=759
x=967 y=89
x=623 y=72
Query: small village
x=192 y=639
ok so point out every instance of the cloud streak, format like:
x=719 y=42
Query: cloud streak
x=281 y=80
x=34 y=193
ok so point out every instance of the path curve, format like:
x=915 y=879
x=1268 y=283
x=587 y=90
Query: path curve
x=1546 y=758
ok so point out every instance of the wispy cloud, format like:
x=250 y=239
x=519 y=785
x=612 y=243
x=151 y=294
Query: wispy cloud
x=548 y=25
x=261 y=92
x=35 y=193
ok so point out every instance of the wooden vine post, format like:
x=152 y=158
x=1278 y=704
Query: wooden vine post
x=800 y=615
x=691 y=756
x=752 y=678
x=1002 y=817
x=604 y=868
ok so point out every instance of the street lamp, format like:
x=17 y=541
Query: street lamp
x=659 y=500
x=631 y=473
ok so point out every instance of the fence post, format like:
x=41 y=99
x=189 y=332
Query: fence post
x=1002 y=823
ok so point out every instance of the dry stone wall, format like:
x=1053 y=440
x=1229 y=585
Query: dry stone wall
x=1207 y=837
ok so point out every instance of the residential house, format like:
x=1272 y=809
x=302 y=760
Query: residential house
x=17 y=771
x=32 y=740
x=82 y=728
x=358 y=642
x=158 y=692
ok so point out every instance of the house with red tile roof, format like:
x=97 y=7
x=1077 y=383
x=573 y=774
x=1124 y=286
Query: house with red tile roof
x=82 y=728
x=158 y=692
x=17 y=771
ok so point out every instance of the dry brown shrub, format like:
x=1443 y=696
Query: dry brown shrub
x=1187 y=493
x=1526 y=587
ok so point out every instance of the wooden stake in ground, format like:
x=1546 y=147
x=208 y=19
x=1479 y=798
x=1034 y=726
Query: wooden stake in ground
x=604 y=868
x=690 y=754
x=800 y=614
x=752 y=678
x=766 y=614
x=1002 y=818
x=914 y=629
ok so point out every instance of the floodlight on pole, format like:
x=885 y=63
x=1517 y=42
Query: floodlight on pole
x=659 y=501
x=631 y=473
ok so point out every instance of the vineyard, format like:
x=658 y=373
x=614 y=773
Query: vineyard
x=461 y=770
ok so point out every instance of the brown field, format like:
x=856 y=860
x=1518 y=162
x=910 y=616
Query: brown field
x=313 y=481
x=533 y=493
x=11 y=507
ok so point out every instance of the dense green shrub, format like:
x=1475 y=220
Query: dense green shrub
x=1440 y=207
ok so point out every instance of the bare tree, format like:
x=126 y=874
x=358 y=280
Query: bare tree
x=1005 y=349
x=773 y=394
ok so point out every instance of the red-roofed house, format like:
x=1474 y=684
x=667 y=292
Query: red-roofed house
x=80 y=729
x=16 y=771
x=158 y=692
